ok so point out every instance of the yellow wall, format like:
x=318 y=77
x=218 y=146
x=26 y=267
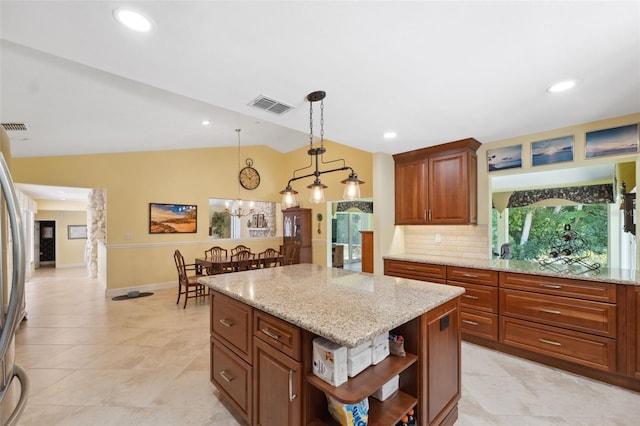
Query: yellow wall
x=68 y=252
x=133 y=180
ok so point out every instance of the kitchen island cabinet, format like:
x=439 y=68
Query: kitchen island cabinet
x=290 y=306
x=584 y=322
x=437 y=185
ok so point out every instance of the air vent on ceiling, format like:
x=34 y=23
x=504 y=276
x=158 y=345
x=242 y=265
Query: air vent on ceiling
x=12 y=127
x=271 y=105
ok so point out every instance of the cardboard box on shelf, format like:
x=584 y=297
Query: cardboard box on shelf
x=388 y=389
x=329 y=361
x=358 y=362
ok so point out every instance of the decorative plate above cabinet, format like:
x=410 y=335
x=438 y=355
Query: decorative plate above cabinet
x=437 y=185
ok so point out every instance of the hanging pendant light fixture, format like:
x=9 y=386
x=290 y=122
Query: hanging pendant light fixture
x=234 y=208
x=352 y=183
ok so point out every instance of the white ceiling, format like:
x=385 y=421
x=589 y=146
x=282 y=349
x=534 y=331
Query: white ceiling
x=431 y=71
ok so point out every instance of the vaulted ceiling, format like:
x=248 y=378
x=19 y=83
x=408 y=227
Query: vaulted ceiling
x=432 y=72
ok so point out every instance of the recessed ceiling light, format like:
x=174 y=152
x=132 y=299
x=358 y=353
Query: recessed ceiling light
x=132 y=20
x=561 y=86
x=206 y=122
x=390 y=135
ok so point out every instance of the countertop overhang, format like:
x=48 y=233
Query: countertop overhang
x=344 y=306
x=602 y=274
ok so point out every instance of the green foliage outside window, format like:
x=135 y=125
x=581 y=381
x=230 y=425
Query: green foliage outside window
x=589 y=221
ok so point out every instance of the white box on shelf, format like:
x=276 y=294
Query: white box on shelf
x=380 y=348
x=358 y=362
x=359 y=349
x=329 y=361
x=388 y=389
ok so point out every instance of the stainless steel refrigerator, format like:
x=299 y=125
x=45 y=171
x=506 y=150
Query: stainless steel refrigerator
x=15 y=383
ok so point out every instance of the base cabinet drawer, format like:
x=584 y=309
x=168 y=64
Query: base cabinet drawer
x=416 y=271
x=479 y=324
x=580 y=315
x=233 y=378
x=231 y=323
x=580 y=348
x=479 y=297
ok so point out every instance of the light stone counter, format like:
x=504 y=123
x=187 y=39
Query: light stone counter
x=603 y=274
x=343 y=306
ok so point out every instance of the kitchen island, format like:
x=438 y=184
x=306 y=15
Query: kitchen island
x=563 y=315
x=263 y=323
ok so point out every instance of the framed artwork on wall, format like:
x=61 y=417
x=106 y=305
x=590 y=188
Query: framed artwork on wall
x=551 y=151
x=615 y=141
x=504 y=158
x=173 y=218
x=77 y=232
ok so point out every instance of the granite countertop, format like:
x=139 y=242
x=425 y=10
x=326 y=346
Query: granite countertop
x=343 y=306
x=602 y=274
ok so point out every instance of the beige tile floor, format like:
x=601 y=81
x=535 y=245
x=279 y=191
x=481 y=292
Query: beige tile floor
x=94 y=361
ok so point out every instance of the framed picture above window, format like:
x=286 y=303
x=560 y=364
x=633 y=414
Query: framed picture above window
x=615 y=141
x=77 y=232
x=504 y=158
x=173 y=218
x=551 y=151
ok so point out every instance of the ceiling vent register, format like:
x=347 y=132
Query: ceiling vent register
x=13 y=127
x=270 y=105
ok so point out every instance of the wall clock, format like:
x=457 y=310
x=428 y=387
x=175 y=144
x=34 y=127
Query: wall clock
x=249 y=177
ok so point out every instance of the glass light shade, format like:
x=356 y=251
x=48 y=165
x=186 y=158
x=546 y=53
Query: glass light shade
x=289 y=197
x=317 y=192
x=351 y=191
x=351 y=187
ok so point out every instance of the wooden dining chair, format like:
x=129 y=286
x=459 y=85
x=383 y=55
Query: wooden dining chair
x=216 y=253
x=269 y=258
x=243 y=260
x=288 y=254
x=239 y=248
x=188 y=280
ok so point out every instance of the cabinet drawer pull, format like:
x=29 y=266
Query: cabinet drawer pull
x=468 y=296
x=469 y=275
x=226 y=322
x=224 y=375
x=270 y=333
x=411 y=268
x=429 y=215
x=550 y=311
x=292 y=396
x=555 y=287
x=470 y=322
x=550 y=342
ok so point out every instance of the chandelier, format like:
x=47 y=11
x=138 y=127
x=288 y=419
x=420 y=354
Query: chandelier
x=352 y=183
x=234 y=208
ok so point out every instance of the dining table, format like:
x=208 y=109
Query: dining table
x=221 y=264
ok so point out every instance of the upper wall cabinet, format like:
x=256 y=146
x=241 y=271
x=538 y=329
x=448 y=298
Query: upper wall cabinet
x=437 y=185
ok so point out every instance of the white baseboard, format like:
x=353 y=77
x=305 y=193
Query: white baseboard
x=147 y=287
x=71 y=265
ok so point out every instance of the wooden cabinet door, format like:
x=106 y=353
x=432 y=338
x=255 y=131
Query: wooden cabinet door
x=443 y=363
x=633 y=347
x=276 y=387
x=448 y=193
x=296 y=230
x=411 y=192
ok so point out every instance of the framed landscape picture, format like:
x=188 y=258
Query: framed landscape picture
x=173 y=218
x=551 y=151
x=77 y=232
x=504 y=158
x=619 y=140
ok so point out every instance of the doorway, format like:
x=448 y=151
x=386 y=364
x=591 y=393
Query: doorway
x=47 y=243
x=347 y=233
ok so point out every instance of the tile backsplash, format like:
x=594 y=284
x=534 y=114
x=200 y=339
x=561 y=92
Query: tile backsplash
x=463 y=241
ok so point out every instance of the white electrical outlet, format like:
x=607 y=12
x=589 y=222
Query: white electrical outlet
x=128 y=236
x=438 y=238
